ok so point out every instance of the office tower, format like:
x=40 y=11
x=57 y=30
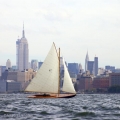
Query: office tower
x=8 y=64
x=86 y=61
x=80 y=66
x=73 y=67
x=34 y=64
x=2 y=69
x=90 y=66
x=22 y=52
x=95 y=71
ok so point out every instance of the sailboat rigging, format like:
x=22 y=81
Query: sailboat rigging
x=47 y=79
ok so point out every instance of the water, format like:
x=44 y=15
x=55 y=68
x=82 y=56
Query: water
x=80 y=107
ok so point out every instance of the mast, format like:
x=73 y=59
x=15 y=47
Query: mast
x=59 y=74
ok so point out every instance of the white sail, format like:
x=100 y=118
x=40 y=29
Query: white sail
x=47 y=77
x=67 y=83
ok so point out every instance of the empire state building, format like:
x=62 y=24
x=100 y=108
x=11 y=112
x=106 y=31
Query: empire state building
x=22 y=52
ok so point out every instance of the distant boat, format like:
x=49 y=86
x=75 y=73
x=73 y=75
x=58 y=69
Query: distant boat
x=47 y=79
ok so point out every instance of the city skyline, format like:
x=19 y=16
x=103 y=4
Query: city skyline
x=75 y=26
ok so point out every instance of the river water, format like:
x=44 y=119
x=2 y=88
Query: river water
x=80 y=107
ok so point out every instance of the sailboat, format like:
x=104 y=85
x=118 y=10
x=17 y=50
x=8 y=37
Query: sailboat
x=47 y=80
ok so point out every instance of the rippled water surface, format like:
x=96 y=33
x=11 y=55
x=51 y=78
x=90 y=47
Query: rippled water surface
x=82 y=106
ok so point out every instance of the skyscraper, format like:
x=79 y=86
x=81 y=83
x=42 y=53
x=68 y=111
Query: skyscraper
x=95 y=69
x=86 y=62
x=73 y=67
x=8 y=64
x=22 y=52
x=90 y=66
x=34 y=64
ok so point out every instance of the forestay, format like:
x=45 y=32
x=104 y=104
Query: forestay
x=47 y=77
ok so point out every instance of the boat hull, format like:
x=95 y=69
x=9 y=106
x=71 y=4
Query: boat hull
x=52 y=96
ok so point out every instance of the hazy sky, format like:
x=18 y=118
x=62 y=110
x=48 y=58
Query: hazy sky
x=74 y=25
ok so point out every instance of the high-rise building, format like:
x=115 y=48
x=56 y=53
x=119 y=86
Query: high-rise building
x=2 y=69
x=95 y=69
x=22 y=52
x=73 y=67
x=80 y=66
x=34 y=64
x=90 y=66
x=8 y=64
x=86 y=61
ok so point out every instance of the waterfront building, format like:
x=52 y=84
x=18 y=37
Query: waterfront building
x=86 y=62
x=114 y=79
x=9 y=75
x=2 y=86
x=101 y=82
x=8 y=64
x=84 y=81
x=13 y=86
x=24 y=77
x=9 y=86
x=2 y=69
x=22 y=52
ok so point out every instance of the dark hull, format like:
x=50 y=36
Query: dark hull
x=53 y=96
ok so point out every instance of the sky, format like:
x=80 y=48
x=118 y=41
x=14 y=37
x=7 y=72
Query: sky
x=76 y=26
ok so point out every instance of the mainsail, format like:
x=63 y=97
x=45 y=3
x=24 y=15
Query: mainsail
x=67 y=83
x=47 y=77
